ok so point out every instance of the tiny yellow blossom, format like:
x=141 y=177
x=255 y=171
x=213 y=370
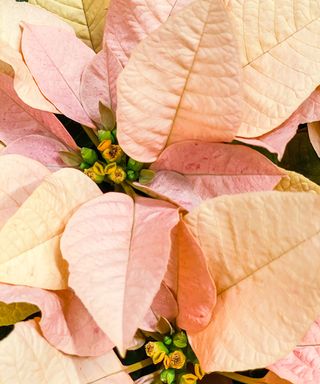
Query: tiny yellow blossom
x=199 y=371
x=105 y=144
x=177 y=360
x=188 y=378
x=118 y=175
x=113 y=154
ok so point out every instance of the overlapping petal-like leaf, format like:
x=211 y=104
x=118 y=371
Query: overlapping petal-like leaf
x=117 y=251
x=258 y=245
x=87 y=17
x=29 y=240
x=25 y=355
x=11 y=14
x=276 y=56
x=182 y=82
x=65 y=322
x=19 y=177
x=189 y=172
x=44 y=50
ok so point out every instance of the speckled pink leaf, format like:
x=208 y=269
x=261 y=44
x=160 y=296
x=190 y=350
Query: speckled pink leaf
x=25 y=355
x=277 y=140
x=130 y=21
x=64 y=322
x=302 y=366
x=119 y=271
x=41 y=148
x=19 y=177
x=17 y=119
x=164 y=303
x=98 y=83
x=56 y=59
x=182 y=82
x=190 y=172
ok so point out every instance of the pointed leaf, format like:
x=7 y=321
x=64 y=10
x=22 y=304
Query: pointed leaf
x=29 y=241
x=130 y=21
x=196 y=289
x=125 y=259
x=301 y=366
x=281 y=60
x=259 y=246
x=165 y=98
x=11 y=14
x=40 y=148
x=18 y=120
x=164 y=304
x=25 y=355
x=206 y=170
x=44 y=50
x=87 y=17
x=19 y=177
x=294 y=182
x=94 y=86
x=64 y=322
x=276 y=140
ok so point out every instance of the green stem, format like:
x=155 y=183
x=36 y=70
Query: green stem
x=92 y=136
x=128 y=189
x=128 y=369
x=241 y=379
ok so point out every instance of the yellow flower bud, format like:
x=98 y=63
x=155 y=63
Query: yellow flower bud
x=113 y=154
x=188 y=378
x=105 y=144
x=94 y=176
x=99 y=168
x=110 y=168
x=118 y=175
x=198 y=371
x=177 y=360
x=157 y=350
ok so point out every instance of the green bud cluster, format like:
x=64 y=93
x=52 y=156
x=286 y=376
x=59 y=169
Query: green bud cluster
x=179 y=363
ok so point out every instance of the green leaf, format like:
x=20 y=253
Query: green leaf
x=14 y=312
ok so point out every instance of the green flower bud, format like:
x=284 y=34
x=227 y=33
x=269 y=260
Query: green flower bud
x=113 y=154
x=93 y=176
x=89 y=155
x=188 y=378
x=146 y=176
x=134 y=164
x=105 y=135
x=118 y=175
x=168 y=375
x=167 y=340
x=132 y=175
x=180 y=340
x=84 y=165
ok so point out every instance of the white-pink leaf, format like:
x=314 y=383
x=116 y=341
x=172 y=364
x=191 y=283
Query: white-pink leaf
x=64 y=322
x=302 y=366
x=190 y=172
x=277 y=140
x=56 y=59
x=17 y=119
x=41 y=148
x=119 y=271
x=130 y=21
x=19 y=177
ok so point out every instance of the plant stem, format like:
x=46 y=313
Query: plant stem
x=127 y=369
x=92 y=136
x=241 y=378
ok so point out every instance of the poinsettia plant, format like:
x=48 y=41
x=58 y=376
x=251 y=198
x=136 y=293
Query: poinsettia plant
x=171 y=232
